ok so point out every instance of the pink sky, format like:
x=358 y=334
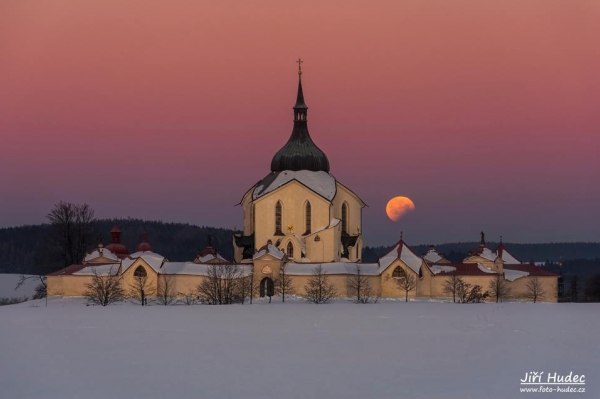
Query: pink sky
x=484 y=113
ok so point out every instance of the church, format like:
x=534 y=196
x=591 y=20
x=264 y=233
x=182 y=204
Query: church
x=299 y=217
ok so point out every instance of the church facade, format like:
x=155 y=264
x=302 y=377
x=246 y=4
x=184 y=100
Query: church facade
x=299 y=217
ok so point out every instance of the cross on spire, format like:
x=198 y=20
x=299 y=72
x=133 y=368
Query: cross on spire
x=299 y=65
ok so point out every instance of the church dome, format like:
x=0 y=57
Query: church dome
x=115 y=246
x=144 y=245
x=300 y=152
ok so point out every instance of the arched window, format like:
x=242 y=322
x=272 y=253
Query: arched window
x=317 y=238
x=278 y=230
x=140 y=272
x=344 y=218
x=290 y=250
x=308 y=220
x=399 y=273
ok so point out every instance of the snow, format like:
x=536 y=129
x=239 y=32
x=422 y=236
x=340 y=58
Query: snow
x=485 y=269
x=294 y=350
x=437 y=269
x=508 y=258
x=155 y=261
x=486 y=253
x=432 y=256
x=271 y=250
x=8 y=282
x=209 y=257
x=407 y=256
x=512 y=275
x=99 y=253
x=320 y=182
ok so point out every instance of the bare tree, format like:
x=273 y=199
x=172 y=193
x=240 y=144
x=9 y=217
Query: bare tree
x=221 y=286
x=165 y=292
x=534 y=288
x=284 y=283
x=498 y=287
x=189 y=298
x=406 y=283
x=105 y=289
x=452 y=284
x=245 y=287
x=72 y=230
x=318 y=287
x=140 y=289
x=462 y=290
x=359 y=287
x=41 y=289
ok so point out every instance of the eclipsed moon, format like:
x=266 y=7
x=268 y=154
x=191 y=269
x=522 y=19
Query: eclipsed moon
x=398 y=207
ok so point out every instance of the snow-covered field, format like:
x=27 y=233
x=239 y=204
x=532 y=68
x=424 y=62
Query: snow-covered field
x=293 y=350
x=8 y=282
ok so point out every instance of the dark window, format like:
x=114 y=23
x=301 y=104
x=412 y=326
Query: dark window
x=399 y=273
x=308 y=218
x=420 y=272
x=317 y=239
x=290 y=250
x=344 y=218
x=140 y=272
x=278 y=230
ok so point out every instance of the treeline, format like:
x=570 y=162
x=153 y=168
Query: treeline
x=27 y=249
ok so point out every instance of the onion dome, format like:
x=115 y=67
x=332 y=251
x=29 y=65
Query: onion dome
x=115 y=246
x=143 y=246
x=300 y=152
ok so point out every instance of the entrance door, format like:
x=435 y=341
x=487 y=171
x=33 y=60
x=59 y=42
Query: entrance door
x=267 y=287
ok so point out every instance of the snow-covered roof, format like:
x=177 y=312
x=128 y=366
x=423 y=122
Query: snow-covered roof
x=320 y=182
x=508 y=258
x=269 y=249
x=512 y=275
x=101 y=253
x=432 y=256
x=306 y=269
x=209 y=257
x=101 y=270
x=484 y=253
x=436 y=269
x=485 y=269
x=155 y=261
x=403 y=252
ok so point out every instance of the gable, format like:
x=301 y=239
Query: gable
x=321 y=183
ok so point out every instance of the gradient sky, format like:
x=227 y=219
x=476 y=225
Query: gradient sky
x=484 y=113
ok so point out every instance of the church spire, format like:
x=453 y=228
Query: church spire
x=300 y=152
x=300 y=109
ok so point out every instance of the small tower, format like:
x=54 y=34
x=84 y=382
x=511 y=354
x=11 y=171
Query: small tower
x=115 y=245
x=144 y=246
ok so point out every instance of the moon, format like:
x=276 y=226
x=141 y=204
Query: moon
x=398 y=206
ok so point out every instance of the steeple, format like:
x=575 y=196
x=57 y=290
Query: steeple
x=300 y=152
x=300 y=109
